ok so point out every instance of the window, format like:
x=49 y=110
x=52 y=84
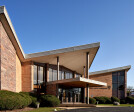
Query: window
x=121 y=79
x=77 y=75
x=63 y=75
x=54 y=75
x=50 y=74
x=35 y=75
x=115 y=78
x=118 y=84
x=67 y=75
x=115 y=87
x=71 y=75
x=60 y=75
x=40 y=75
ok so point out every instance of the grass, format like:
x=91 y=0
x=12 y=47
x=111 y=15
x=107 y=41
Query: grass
x=121 y=105
x=45 y=109
x=51 y=109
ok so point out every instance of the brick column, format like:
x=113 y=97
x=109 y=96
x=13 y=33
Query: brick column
x=125 y=83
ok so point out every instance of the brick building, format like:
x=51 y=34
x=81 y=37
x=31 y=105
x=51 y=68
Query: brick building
x=63 y=72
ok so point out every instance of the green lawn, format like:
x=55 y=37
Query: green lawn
x=124 y=105
x=51 y=109
x=44 y=109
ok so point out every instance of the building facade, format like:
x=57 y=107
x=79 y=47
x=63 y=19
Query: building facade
x=63 y=72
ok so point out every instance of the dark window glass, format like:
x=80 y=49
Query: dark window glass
x=121 y=73
x=115 y=77
x=121 y=94
x=121 y=87
x=121 y=79
x=115 y=86
x=118 y=80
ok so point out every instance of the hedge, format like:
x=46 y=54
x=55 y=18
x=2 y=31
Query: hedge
x=103 y=100
x=115 y=99
x=92 y=100
x=130 y=100
x=10 y=100
x=49 y=101
x=32 y=96
x=122 y=101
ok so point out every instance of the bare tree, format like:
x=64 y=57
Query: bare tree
x=129 y=89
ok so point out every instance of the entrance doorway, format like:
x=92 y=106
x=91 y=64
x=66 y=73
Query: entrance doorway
x=70 y=95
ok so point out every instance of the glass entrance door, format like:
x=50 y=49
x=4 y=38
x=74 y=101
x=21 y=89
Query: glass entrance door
x=70 y=95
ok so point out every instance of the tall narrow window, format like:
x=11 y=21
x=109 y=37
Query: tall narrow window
x=54 y=75
x=50 y=74
x=60 y=75
x=67 y=75
x=71 y=75
x=63 y=75
x=40 y=75
x=35 y=75
x=118 y=84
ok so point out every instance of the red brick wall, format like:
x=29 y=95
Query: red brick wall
x=125 y=83
x=0 y=52
x=51 y=89
x=102 y=91
x=8 y=61
x=26 y=77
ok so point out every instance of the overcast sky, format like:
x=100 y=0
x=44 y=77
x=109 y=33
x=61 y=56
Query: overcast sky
x=43 y=25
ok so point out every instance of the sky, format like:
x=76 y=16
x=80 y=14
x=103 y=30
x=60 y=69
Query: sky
x=43 y=25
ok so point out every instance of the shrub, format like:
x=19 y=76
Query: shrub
x=27 y=100
x=122 y=102
x=49 y=101
x=115 y=99
x=10 y=100
x=103 y=100
x=130 y=100
x=92 y=100
x=108 y=100
x=32 y=96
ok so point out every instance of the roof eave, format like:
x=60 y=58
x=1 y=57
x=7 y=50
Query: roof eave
x=64 y=50
x=110 y=70
x=5 y=19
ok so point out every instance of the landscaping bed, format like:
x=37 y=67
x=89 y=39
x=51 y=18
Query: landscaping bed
x=19 y=101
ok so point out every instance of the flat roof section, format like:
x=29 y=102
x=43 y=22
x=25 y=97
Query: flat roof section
x=110 y=70
x=78 y=82
x=73 y=58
